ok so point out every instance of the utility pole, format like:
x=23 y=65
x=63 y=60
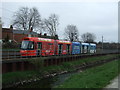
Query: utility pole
x=102 y=44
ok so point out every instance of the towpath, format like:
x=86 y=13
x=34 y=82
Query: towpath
x=115 y=83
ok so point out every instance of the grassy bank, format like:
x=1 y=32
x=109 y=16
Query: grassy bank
x=97 y=77
x=70 y=66
x=9 y=78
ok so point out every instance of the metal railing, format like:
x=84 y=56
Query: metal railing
x=15 y=54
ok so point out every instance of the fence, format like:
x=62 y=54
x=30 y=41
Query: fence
x=15 y=54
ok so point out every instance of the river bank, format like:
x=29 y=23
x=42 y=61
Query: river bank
x=20 y=78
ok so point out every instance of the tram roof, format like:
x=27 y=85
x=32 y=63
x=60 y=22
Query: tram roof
x=62 y=41
x=85 y=43
x=38 y=39
x=75 y=42
x=92 y=44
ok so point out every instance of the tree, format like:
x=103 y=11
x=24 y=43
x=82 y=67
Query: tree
x=71 y=33
x=51 y=24
x=1 y=23
x=88 y=37
x=26 y=18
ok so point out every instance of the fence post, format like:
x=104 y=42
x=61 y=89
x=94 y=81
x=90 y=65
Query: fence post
x=8 y=54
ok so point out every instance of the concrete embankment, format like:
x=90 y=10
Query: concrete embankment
x=114 y=83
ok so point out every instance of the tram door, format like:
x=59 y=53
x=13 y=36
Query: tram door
x=84 y=49
x=87 y=51
x=68 y=49
x=39 y=48
x=60 y=46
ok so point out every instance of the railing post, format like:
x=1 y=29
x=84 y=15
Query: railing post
x=14 y=67
x=22 y=66
x=15 y=54
x=8 y=54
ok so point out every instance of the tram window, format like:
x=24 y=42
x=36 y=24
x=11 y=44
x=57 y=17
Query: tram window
x=82 y=46
x=31 y=45
x=50 y=44
x=60 y=48
x=94 y=47
x=68 y=48
x=39 y=44
x=24 y=44
x=27 y=45
x=85 y=47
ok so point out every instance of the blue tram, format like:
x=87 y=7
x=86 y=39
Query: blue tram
x=92 y=48
x=76 y=48
x=83 y=48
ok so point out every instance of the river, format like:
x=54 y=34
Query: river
x=50 y=82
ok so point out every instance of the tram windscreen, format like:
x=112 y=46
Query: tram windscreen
x=27 y=45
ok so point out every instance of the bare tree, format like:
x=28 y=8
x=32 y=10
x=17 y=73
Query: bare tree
x=0 y=21
x=71 y=33
x=51 y=24
x=26 y=18
x=88 y=37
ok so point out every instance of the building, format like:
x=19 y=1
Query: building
x=15 y=35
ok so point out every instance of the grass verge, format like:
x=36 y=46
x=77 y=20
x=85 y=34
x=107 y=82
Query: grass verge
x=97 y=77
x=70 y=66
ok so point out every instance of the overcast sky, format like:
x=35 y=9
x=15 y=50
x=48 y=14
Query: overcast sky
x=100 y=18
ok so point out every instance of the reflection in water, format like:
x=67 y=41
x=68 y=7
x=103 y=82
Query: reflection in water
x=48 y=82
x=43 y=83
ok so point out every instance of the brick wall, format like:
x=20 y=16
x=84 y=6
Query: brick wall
x=5 y=32
x=12 y=36
x=19 y=37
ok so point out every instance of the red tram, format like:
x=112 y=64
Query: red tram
x=63 y=47
x=34 y=46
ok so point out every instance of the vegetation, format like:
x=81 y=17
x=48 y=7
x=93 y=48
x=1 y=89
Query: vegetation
x=88 y=37
x=51 y=24
x=11 y=77
x=71 y=66
x=71 y=33
x=108 y=46
x=38 y=63
x=10 y=46
x=97 y=77
x=25 y=18
x=30 y=19
x=1 y=23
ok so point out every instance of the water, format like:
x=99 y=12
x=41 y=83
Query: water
x=50 y=82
